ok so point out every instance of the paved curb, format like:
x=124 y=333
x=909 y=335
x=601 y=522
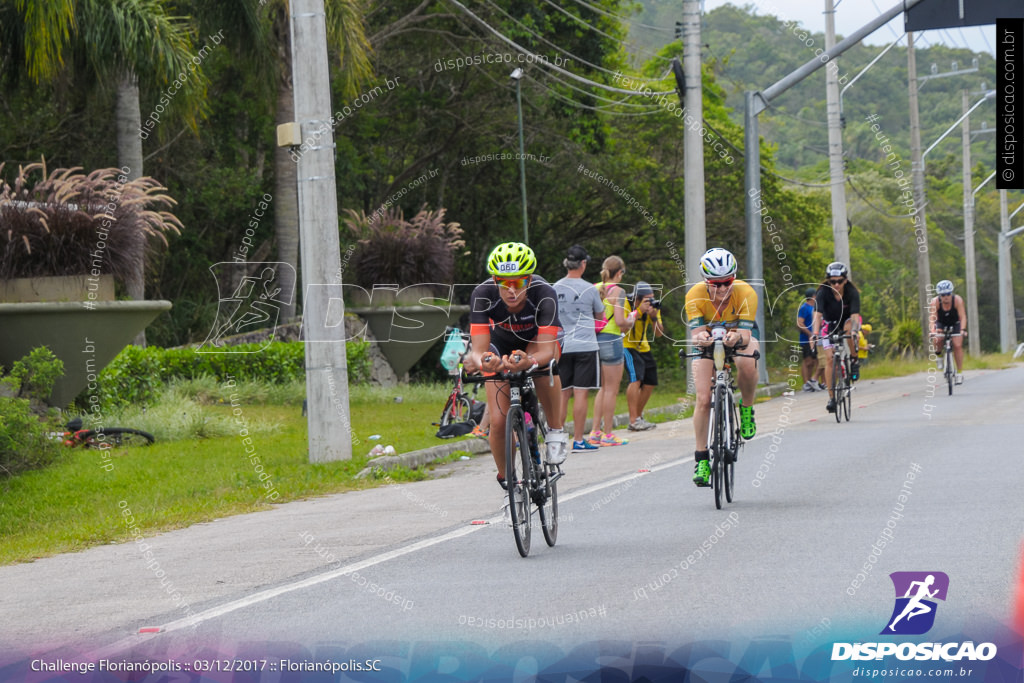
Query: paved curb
x=414 y=459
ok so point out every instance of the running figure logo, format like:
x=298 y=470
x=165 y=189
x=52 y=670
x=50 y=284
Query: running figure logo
x=916 y=592
x=254 y=303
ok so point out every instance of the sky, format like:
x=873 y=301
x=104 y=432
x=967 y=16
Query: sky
x=852 y=14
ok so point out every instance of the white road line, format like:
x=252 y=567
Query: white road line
x=241 y=603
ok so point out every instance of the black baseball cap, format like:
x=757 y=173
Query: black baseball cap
x=809 y=292
x=577 y=253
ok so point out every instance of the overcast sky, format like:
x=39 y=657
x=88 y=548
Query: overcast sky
x=852 y=14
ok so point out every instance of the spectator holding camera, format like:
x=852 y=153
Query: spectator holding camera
x=640 y=366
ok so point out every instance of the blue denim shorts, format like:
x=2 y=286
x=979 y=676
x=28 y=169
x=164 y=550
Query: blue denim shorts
x=610 y=348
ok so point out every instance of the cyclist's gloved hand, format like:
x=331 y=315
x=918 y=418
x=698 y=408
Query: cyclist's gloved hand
x=489 y=362
x=518 y=361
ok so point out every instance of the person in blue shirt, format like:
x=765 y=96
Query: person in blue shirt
x=809 y=367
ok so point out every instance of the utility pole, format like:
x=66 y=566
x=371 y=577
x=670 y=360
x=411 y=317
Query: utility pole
x=924 y=276
x=840 y=228
x=330 y=438
x=1007 y=316
x=974 y=343
x=695 y=242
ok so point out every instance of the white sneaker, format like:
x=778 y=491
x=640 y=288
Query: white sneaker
x=557 y=446
x=644 y=425
x=959 y=379
x=506 y=513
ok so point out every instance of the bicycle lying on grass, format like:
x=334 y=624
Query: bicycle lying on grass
x=96 y=438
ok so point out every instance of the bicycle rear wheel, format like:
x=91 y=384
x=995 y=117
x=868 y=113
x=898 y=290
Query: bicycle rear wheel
x=457 y=409
x=116 y=437
x=518 y=475
x=548 y=505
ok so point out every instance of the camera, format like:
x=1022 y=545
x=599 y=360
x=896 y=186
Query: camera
x=656 y=304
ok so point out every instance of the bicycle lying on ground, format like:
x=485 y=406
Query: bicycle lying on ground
x=106 y=437
x=724 y=439
x=949 y=362
x=842 y=373
x=528 y=477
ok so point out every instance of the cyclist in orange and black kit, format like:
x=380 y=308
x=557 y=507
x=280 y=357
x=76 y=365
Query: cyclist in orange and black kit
x=513 y=326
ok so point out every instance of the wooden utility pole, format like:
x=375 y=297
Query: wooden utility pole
x=330 y=433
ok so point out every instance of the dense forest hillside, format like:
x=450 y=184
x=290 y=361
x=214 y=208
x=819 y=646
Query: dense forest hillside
x=428 y=119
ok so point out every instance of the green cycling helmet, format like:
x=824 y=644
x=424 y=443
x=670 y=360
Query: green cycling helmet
x=511 y=259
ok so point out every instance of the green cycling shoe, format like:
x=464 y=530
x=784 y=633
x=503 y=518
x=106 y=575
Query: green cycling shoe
x=702 y=473
x=748 y=428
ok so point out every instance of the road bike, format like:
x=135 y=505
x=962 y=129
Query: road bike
x=460 y=404
x=842 y=374
x=105 y=437
x=949 y=362
x=724 y=438
x=531 y=481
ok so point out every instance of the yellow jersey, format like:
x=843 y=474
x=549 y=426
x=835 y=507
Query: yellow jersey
x=738 y=311
x=637 y=337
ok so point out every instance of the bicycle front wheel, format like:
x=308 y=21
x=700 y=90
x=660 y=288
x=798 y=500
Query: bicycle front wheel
x=949 y=370
x=731 y=449
x=518 y=476
x=847 y=393
x=547 y=506
x=116 y=437
x=457 y=409
x=837 y=386
x=718 y=452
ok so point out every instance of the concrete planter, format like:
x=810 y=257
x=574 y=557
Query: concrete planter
x=62 y=288
x=85 y=338
x=405 y=333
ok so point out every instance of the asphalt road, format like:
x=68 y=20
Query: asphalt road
x=931 y=483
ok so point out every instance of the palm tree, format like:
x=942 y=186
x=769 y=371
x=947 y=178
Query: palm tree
x=119 y=42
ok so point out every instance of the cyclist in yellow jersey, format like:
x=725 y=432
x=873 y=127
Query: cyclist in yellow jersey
x=721 y=299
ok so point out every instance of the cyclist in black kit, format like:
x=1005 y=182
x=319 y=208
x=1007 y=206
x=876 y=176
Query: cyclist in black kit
x=947 y=310
x=516 y=311
x=836 y=308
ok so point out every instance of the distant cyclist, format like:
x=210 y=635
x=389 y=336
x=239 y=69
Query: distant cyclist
x=721 y=298
x=947 y=310
x=513 y=326
x=836 y=311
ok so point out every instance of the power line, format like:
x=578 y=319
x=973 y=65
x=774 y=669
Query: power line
x=607 y=35
x=578 y=59
x=605 y=109
x=739 y=152
x=599 y=97
x=991 y=49
x=549 y=65
x=866 y=201
x=620 y=18
x=794 y=116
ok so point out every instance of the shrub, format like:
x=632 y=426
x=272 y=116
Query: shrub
x=393 y=250
x=52 y=227
x=33 y=376
x=136 y=375
x=24 y=439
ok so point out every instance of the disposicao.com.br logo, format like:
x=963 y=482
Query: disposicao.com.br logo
x=914 y=613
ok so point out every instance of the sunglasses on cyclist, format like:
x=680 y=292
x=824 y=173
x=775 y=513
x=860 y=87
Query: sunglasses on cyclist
x=837 y=281
x=721 y=283
x=512 y=282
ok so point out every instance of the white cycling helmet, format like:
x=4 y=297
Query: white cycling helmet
x=944 y=287
x=717 y=263
x=836 y=269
